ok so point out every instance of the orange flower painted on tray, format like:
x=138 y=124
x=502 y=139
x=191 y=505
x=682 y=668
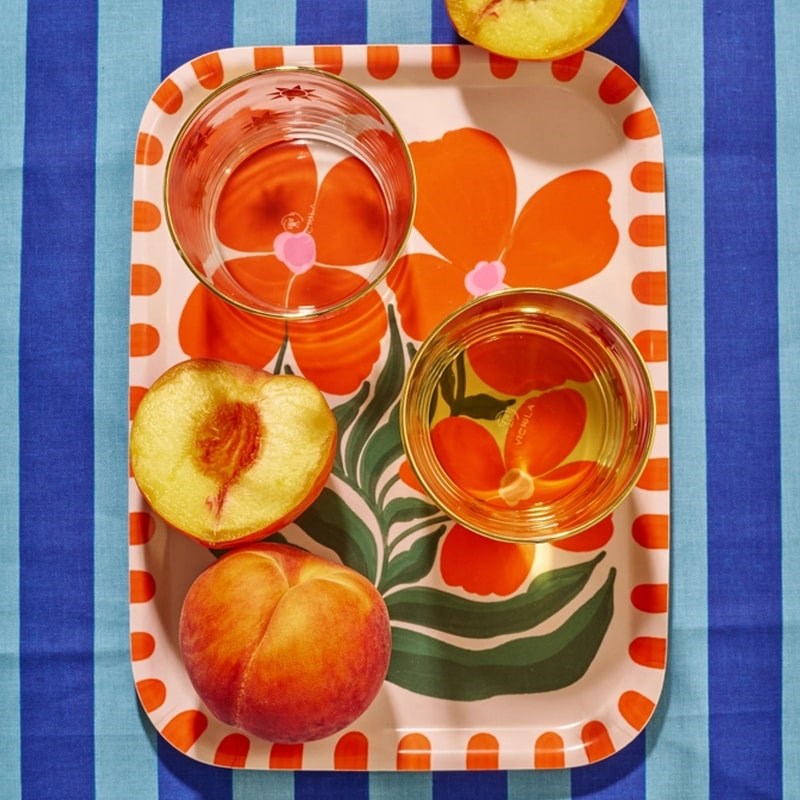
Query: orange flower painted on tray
x=484 y=566
x=529 y=469
x=466 y=207
x=524 y=471
x=298 y=240
x=517 y=364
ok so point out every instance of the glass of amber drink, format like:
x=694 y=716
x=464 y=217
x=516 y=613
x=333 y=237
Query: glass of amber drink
x=528 y=415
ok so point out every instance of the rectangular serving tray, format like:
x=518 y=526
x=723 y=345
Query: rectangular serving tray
x=547 y=122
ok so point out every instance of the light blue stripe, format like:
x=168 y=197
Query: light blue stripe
x=671 y=41
x=12 y=134
x=129 y=64
x=257 y=785
x=393 y=785
x=256 y=22
x=543 y=785
x=787 y=79
x=393 y=22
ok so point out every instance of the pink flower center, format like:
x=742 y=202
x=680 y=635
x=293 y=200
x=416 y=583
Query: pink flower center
x=297 y=250
x=485 y=276
x=516 y=486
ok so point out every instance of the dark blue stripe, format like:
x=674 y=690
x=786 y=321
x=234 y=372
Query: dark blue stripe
x=621 y=42
x=620 y=777
x=442 y=30
x=325 y=785
x=742 y=402
x=183 y=778
x=190 y=29
x=56 y=461
x=468 y=785
x=327 y=22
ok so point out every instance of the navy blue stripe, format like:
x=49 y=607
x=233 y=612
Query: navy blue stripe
x=621 y=42
x=56 y=464
x=324 y=785
x=442 y=30
x=620 y=777
x=183 y=778
x=468 y=785
x=326 y=22
x=190 y=29
x=742 y=402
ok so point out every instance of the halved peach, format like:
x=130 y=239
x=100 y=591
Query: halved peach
x=227 y=453
x=533 y=30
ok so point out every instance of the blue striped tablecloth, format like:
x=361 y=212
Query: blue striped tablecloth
x=723 y=76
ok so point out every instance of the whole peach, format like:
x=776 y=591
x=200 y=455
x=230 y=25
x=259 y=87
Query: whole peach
x=284 y=644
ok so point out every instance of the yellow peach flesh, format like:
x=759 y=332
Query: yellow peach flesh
x=533 y=29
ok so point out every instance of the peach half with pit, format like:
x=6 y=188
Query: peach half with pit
x=533 y=30
x=284 y=644
x=227 y=453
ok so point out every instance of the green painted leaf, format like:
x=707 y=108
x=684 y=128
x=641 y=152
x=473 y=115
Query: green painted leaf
x=526 y=665
x=443 y=611
x=332 y=523
x=413 y=564
x=481 y=406
x=382 y=449
x=387 y=389
x=447 y=385
x=347 y=412
x=406 y=509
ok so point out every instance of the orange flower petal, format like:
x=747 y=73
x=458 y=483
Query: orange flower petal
x=466 y=195
x=350 y=219
x=564 y=234
x=591 y=539
x=337 y=353
x=427 y=290
x=409 y=478
x=211 y=328
x=559 y=482
x=468 y=454
x=265 y=189
x=265 y=277
x=482 y=565
x=545 y=431
x=517 y=364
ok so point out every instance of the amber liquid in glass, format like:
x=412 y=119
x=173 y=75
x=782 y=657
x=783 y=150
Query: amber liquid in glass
x=520 y=419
